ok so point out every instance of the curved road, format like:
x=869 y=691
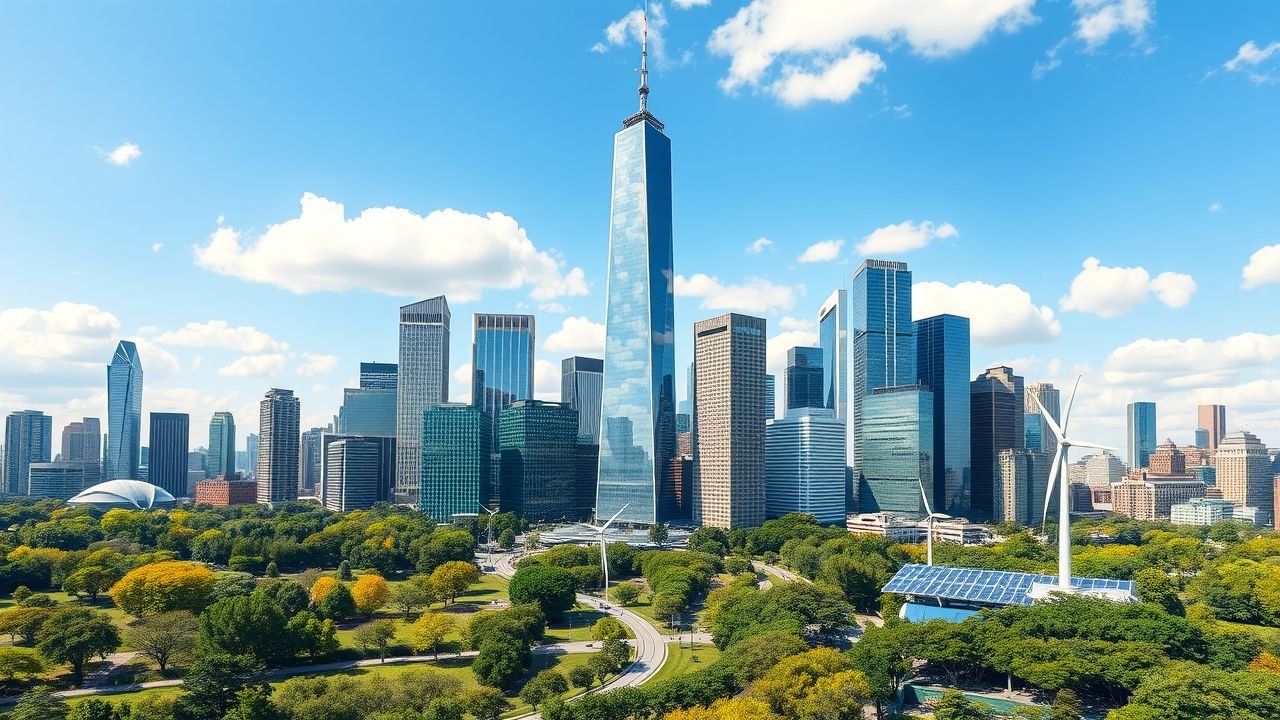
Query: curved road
x=787 y=575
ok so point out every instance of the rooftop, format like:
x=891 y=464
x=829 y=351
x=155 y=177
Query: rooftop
x=996 y=588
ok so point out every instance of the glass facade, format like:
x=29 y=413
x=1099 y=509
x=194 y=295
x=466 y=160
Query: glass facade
x=942 y=367
x=770 y=396
x=537 y=440
x=367 y=411
x=581 y=381
x=996 y=402
x=883 y=337
x=169 y=457
x=501 y=361
x=898 y=447
x=124 y=413
x=833 y=338
x=82 y=441
x=358 y=471
x=457 y=447
x=804 y=465
x=803 y=380
x=222 y=445
x=28 y=439
x=311 y=460
x=378 y=375
x=638 y=398
x=1142 y=433
x=422 y=381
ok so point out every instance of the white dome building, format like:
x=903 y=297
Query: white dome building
x=123 y=494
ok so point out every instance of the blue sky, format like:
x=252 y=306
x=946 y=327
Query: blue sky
x=157 y=157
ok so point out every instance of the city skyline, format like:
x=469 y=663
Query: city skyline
x=1142 y=326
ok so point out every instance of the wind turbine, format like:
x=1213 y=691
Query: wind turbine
x=604 y=555
x=929 y=517
x=490 y=524
x=1058 y=472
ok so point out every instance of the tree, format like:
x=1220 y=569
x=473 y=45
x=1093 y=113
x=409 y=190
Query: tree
x=93 y=709
x=254 y=703
x=378 y=634
x=90 y=581
x=608 y=628
x=626 y=593
x=507 y=539
x=312 y=635
x=164 y=637
x=253 y=626
x=413 y=593
x=429 y=629
x=337 y=604
x=15 y=661
x=501 y=660
x=617 y=650
x=74 y=635
x=728 y=709
x=1066 y=706
x=667 y=606
x=321 y=587
x=550 y=587
x=163 y=586
x=545 y=684
x=582 y=676
x=214 y=682
x=1155 y=587
x=485 y=703
x=292 y=597
x=344 y=571
x=39 y=704
x=602 y=665
x=658 y=534
x=787 y=686
x=23 y=622
x=953 y=705
x=452 y=578
x=370 y=593
x=446 y=708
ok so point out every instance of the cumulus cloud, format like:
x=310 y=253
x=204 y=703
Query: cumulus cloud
x=1263 y=267
x=904 y=237
x=792 y=323
x=998 y=314
x=577 y=336
x=1250 y=60
x=68 y=332
x=627 y=29
x=220 y=334
x=758 y=245
x=822 y=251
x=122 y=154
x=254 y=366
x=1112 y=291
x=157 y=247
x=686 y=4
x=317 y=364
x=546 y=380
x=754 y=295
x=778 y=345
x=1098 y=20
x=1193 y=362
x=392 y=251
x=804 y=51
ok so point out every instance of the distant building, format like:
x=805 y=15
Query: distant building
x=222 y=444
x=1201 y=511
x=1145 y=497
x=770 y=396
x=251 y=445
x=311 y=459
x=457 y=453
x=581 y=383
x=422 y=381
x=684 y=425
x=1103 y=468
x=167 y=469
x=804 y=465
x=942 y=366
x=278 y=456
x=882 y=342
x=1202 y=438
x=897 y=450
x=1021 y=481
x=502 y=355
x=359 y=471
x=682 y=485
x=1212 y=419
x=1038 y=435
x=368 y=411
x=802 y=380
x=536 y=441
x=28 y=438
x=833 y=338
x=124 y=413
x=1196 y=455
x=997 y=402
x=223 y=492
x=1243 y=470
x=61 y=480
x=82 y=441
x=378 y=375
x=1141 y=422
x=587 y=464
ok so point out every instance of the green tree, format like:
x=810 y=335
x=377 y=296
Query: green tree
x=23 y=622
x=254 y=703
x=447 y=708
x=501 y=660
x=39 y=704
x=602 y=665
x=344 y=571
x=15 y=661
x=485 y=703
x=92 y=709
x=1155 y=587
x=290 y=595
x=253 y=625
x=551 y=588
x=164 y=637
x=377 y=634
x=163 y=586
x=312 y=635
x=507 y=539
x=582 y=676
x=1066 y=706
x=953 y=705
x=626 y=593
x=74 y=635
x=545 y=684
x=337 y=604
x=213 y=684
x=618 y=650
x=452 y=578
x=413 y=593
x=430 y=629
x=608 y=628
x=658 y=534
x=90 y=582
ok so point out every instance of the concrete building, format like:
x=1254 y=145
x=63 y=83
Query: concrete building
x=223 y=492
x=358 y=471
x=997 y=401
x=1201 y=511
x=82 y=441
x=311 y=459
x=28 y=438
x=422 y=381
x=1020 y=483
x=804 y=465
x=1243 y=470
x=1103 y=468
x=1142 y=496
x=278 y=452
x=1213 y=420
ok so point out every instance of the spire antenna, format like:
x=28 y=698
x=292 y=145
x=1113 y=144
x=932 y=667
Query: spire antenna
x=644 y=59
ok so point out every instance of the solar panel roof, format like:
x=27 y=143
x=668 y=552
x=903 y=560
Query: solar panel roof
x=984 y=587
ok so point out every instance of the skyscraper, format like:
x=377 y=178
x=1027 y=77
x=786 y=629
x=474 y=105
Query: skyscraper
x=1214 y=419
x=538 y=442
x=638 y=399
x=770 y=396
x=367 y=412
x=457 y=449
x=581 y=380
x=378 y=375
x=502 y=351
x=1021 y=479
x=996 y=402
x=1243 y=469
x=124 y=413
x=82 y=441
x=28 y=438
x=222 y=445
x=803 y=378
x=729 y=454
x=277 y=473
x=804 y=465
x=897 y=450
x=833 y=338
x=1037 y=435
x=1202 y=438
x=358 y=471
x=883 y=337
x=1141 y=421
x=251 y=445
x=942 y=368
x=168 y=462
x=311 y=459
x=422 y=381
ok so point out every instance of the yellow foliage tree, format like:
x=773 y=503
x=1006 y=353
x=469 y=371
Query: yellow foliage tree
x=370 y=593
x=162 y=587
x=321 y=587
x=787 y=687
x=453 y=578
x=1267 y=663
x=429 y=629
x=732 y=709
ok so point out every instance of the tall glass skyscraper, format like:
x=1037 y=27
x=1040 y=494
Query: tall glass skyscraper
x=168 y=461
x=502 y=350
x=457 y=449
x=898 y=450
x=1037 y=435
x=581 y=380
x=28 y=439
x=538 y=441
x=638 y=407
x=942 y=367
x=367 y=412
x=996 y=402
x=422 y=381
x=883 y=337
x=222 y=445
x=1141 y=418
x=124 y=413
x=802 y=382
x=833 y=338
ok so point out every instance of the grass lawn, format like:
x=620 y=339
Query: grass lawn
x=489 y=589
x=576 y=626
x=682 y=659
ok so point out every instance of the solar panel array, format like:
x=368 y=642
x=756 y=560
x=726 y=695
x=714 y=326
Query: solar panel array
x=984 y=587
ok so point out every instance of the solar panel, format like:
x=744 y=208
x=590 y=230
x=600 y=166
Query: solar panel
x=984 y=587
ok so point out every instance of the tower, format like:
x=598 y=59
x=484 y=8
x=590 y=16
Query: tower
x=278 y=455
x=124 y=413
x=422 y=381
x=222 y=445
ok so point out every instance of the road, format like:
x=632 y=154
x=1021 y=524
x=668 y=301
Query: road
x=784 y=574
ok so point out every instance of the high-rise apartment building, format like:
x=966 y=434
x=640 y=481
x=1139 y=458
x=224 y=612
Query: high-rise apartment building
x=311 y=459
x=802 y=382
x=422 y=381
x=168 y=462
x=378 y=375
x=1021 y=480
x=28 y=438
x=82 y=441
x=942 y=368
x=729 y=421
x=222 y=445
x=124 y=413
x=897 y=450
x=538 y=442
x=1243 y=470
x=278 y=452
x=804 y=465
x=882 y=339
x=457 y=452
x=996 y=402
x=638 y=435
x=1213 y=418
x=358 y=471
x=1141 y=422
x=581 y=382
x=1037 y=434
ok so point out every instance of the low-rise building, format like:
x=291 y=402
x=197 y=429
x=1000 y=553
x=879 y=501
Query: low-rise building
x=223 y=492
x=1144 y=496
x=1201 y=511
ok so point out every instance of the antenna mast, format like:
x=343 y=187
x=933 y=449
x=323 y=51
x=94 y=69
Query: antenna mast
x=644 y=59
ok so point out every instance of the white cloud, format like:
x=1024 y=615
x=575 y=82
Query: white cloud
x=904 y=237
x=577 y=336
x=998 y=314
x=220 y=334
x=1250 y=57
x=254 y=366
x=462 y=375
x=627 y=29
x=1263 y=267
x=686 y=4
x=1098 y=20
x=778 y=345
x=758 y=245
x=68 y=332
x=157 y=247
x=1215 y=207
x=554 y=308
x=392 y=251
x=546 y=380
x=1194 y=362
x=792 y=323
x=1112 y=291
x=123 y=154
x=754 y=295
x=802 y=51
x=822 y=251
x=317 y=364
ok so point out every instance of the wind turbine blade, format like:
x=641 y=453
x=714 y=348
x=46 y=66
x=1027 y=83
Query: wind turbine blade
x=615 y=517
x=1067 y=418
x=1048 y=491
x=940 y=516
x=1081 y=443
x=925 y=497
x=1053 y=424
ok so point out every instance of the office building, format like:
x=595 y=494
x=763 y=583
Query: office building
x=358 y=471
x=251 y=451
x=82 y=441
x=1020 y=481
x=457 y=452
x=1141 y=422
x=942 y=368
x=1201 y=511
x=897 y=450
x=1213 y=419
x=581 y=382
x=367 y=411
x=638 y=433
x=587 y=464
x=1196 y=455
x=802 y=381
x=882 y=339
x=278 y=452
x=1037 y=434
x=770 y=396
x=311 y=459
x=1103 y=468
x=378 y=376
x=729 y=421
x=222 y=445
x=61 y=480
x=1143 y=496
x=1202 y=438
x=124 y=413
x=996 y=402
x=833 y=338
x=198 y=459
x=169 y=458
x=1243 y=470
x=224 y=492
x=28 y=438
x=804 y=465
x=502 y=352
x=536 y=440
x=686 y=405
x=684 y=425
x=422 y=381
